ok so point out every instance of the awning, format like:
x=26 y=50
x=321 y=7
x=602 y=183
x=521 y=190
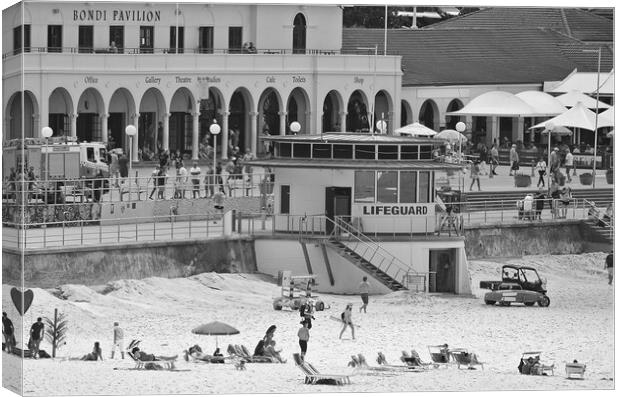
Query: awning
x=572 y=97
x=543 y=103
x=578 y=116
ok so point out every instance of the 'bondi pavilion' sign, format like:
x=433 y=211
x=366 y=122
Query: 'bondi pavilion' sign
x=117 y=15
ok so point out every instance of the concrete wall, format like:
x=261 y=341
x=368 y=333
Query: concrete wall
x=99 y=265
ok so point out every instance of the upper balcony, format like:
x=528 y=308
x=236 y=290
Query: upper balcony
x=265 y=60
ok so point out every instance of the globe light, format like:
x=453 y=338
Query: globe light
x=130 y=130
x=461 y=127
x=215 y=128
x=47 y=132
x=381 y=126
x=549 y=126
x=295 y=127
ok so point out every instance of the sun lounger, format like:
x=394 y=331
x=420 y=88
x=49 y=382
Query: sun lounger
x=439 y=353
x=464 y=357
x=578 y=369
x=166 y=363
x=243 y=353
x=314 y=377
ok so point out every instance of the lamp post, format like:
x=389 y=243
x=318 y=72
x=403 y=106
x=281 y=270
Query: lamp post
x=47 y=132
x=130 y=130
x=460 y=127
x=371 y=124
x=295 y=127
x=598 y=85
x=549 y=126
x=215 y=129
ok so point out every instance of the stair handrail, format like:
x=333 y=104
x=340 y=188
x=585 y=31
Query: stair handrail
x=341 y=224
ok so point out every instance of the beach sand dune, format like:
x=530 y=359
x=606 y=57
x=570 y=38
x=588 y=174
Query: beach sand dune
x=162 y=312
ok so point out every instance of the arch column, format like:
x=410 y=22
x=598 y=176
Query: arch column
x=104 y=127
x=343 y=121
x=305 y=129
x=224 y=142
x=36 y=126
x=134 y=143
x=72 y=118
x=165 y=134
x=195 y=127
x=390 y=123
x=253 y=132
x=282 y=122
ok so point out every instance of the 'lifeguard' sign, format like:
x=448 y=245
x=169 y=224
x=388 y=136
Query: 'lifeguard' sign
x=414 y=209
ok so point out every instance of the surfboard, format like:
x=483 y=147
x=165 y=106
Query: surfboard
x=341 y=322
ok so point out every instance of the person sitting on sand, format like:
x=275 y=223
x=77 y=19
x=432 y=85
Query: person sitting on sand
x=271 y=351
x=94 y=355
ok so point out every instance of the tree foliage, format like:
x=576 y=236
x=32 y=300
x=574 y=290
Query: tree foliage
x=56 y=330
x=373 y=16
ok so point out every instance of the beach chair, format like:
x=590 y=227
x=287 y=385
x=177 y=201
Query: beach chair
x=574 y=368
x=465 y=357
x=538 y=368
x=314 y=377
x=440 y=354
x=165 y=363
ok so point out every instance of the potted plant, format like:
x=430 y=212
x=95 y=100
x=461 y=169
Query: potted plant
x=586 y=178
x=610 y=176
x=523 y=180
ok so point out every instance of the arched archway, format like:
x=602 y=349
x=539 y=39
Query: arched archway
x=210 y=109
x=90 y=109
x=181 y=126
x=240 y=106
x=122 y=108
x=357 y=112
x=383 y=109
x=151 y=123
x=406 y=114
x=297 y=108
x=332 y=106
x=269 y=105
x=21 y=124
x=59 y=110
x=429 y=114
x=299 y=34
x=453 y=106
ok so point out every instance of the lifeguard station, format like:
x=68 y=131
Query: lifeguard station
x=353 y=205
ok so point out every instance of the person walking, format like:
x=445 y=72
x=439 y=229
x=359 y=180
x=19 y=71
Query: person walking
x=568 y=163
x=9 y=333
x=609 y=265
x=114 y=167
x=194 y=173
x=475 y=174
x=123 y=166
x=304 y=336
x=153 y=177
x=364 y=288
x=514 y=160
x=36 y=336
x=181 y=179
x=541 y=167
x=347 y=319
x=494 y=160
x=117 y=341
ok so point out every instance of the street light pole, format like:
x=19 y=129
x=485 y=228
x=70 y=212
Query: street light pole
x=215 y=129
x=598 y=85
x=130 y=130
x=47 y=132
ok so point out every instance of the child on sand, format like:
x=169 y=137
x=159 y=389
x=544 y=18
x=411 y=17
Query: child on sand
x=347 y=321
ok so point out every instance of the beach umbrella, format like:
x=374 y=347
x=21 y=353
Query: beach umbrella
x=451 y=136
x=215 y=328
x=416 y=129
x=573 y=97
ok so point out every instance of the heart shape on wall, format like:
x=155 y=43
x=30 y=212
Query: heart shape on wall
x=16 y=296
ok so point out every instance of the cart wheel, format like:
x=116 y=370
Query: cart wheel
x=529 y=303
x=320 y=306
x=489 y=302
x=544 y=301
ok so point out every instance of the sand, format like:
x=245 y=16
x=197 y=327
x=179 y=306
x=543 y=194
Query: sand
x=579 y=324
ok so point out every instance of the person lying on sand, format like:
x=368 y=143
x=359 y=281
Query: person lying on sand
x=143 y=356
x=196 y=353
x=92 y=356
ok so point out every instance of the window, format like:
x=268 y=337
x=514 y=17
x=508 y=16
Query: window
x=103 y=155
x=90 y=154
x=408 y=186
x=321 y=151
x=117 y=36
x=54 y=38
x=387 y=187
x=425 y=187
x=365 y=152
x=343 y=151
x=388 y=152
x=85 y=38
x=426 y=152
x=146 y=39
x=409 y=152
x=205 y=39
x=235 y=37
x=285 y=199
x=176 y=39
x=301 y=150
x=364 y=186
x=299 y=34
x=17 y=39
x=284 y=149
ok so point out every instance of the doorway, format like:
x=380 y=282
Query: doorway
x=337 y=203
x=442 y=270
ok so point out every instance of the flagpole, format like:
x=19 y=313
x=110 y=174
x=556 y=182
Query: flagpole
x=385 y=31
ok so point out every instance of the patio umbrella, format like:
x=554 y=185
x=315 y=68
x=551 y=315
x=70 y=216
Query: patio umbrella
x=215 y=328
x=573 y=97
x=416 y=129
x=452 y=136
x=578 y=116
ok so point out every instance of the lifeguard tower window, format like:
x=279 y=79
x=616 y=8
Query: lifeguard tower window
x=301 y=150
x=388 y=152
x=426 y=152
x=409 y=152
x=387 y=187
x=425 y=188
x=365 y=152
x=408 y=186
x=321 y=151
x=285 y=199
x=343 y=151
x=90 y=154
x=364 y=187
x=284 y=149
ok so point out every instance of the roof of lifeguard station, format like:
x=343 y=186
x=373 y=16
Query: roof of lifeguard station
x=348 y=137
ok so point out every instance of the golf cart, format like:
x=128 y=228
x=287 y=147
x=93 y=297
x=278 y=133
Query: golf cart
x=296 y=290
x=519 y=284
